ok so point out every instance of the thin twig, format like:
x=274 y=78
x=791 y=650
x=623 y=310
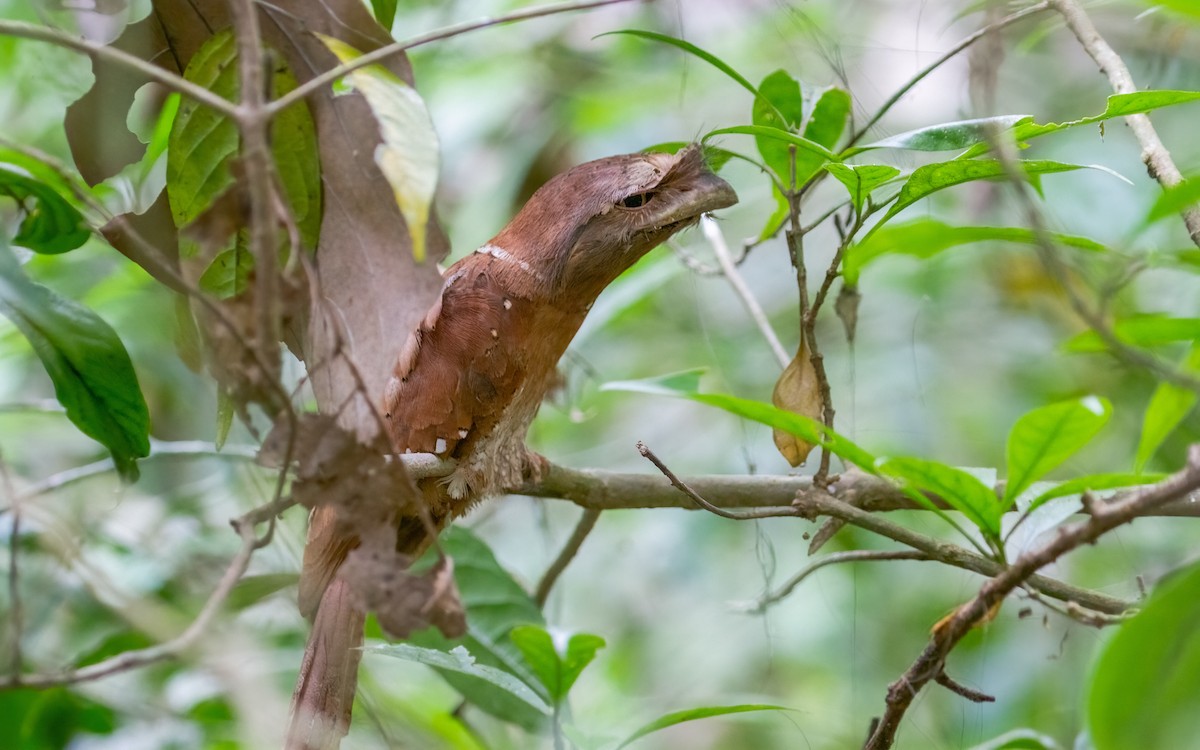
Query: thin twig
x=836 y=558
x=16 y=616
x=586 y=523
x=182 y=643
x=120 y=57
x=40 y=405
x=1154 y=153
x=975 y=696
x=920 y=76
x=390 y=50
x=808 y=340
x=256 y=163
x=720 y=249
x=706 y=505
x=819 y=503
x=932 y=660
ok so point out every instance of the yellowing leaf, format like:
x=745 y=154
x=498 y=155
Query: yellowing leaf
x=408 y=155
x=797 y=391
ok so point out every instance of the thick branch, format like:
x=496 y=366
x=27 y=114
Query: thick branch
x=613 y=490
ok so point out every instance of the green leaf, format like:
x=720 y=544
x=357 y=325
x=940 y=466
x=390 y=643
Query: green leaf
x=556 y=671
x=50 y=224
x=924 y=238
x=385 y=12
x=1174 y=200
x=1119 y=105
x=861 y=179
x=51 y=719
x=704 y=712
x=1093 y=482
x=779 y=106
x=959 y=489
x=691 y=49
x=929 y=179
x=225 y=410
x=495 y=604
x=1185 y=7
x=948 y=136
x=803 y=144
x=1045 y=437
x=1168 y=406
x=93 y=377
x=1144 y=686
x=778 y=216
x=459 y=661
x=229 y=273
x=1140 y=330
x=686 y=385
x=408 y=155
x=828 y=119
x=203 y=143
x=251 y=590
x=297 y=161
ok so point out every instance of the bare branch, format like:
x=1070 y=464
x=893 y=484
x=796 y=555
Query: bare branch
x=837 y=558
x=383 y=53
x=586 y=523
x=706 y=505
x=817 y=503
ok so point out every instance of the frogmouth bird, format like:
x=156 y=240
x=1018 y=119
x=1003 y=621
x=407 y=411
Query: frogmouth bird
x=467 y=383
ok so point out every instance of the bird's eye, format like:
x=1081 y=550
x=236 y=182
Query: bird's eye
x=637 y=200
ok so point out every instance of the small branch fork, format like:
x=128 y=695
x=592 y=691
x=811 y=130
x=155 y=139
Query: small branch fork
x=931 y=663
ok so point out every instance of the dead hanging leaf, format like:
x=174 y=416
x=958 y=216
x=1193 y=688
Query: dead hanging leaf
x=404 y=602
x=333 y=468
x=797 y=391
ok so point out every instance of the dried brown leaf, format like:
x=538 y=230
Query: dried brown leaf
x=404 y=602
x=797 y=391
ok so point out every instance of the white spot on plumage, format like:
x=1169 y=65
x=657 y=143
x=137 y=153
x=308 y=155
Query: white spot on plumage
x=507 y=304
x=504 y=256
x=440 y=446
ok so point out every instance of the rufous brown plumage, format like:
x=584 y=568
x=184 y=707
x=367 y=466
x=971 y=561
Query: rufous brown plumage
x=468 y=382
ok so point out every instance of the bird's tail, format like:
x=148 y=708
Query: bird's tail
x=324 y=692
